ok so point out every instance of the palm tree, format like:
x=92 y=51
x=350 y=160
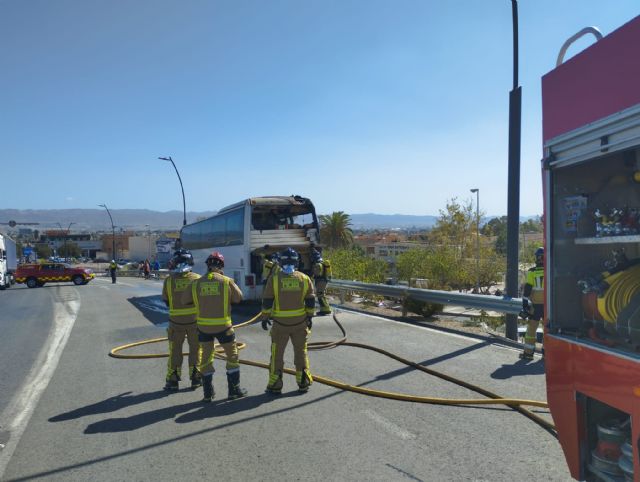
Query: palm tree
x=334 y=229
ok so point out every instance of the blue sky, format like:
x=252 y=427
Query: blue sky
x=361 y=105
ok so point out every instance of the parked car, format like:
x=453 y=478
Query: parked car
x=35 y=275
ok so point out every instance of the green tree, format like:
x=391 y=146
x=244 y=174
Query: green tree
x=43 y=250
x=335 y=231
x=69 y=250
x=353 y=264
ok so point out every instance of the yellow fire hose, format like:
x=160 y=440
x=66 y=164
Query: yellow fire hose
x=623 y=287
x=493 y=399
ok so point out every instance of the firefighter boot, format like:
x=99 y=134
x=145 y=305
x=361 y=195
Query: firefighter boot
x=275 y=383
x=196 y=378
x=304 y=380
x=235 y=390
x=207 y=387
x=172 y=382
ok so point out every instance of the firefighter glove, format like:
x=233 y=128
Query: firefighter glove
x=309 y=322
x=266 y=322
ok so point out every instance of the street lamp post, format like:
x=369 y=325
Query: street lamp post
x=184 y=204
x=66 y=235
x=148 y=242
x=113 y=232
x=477 y=191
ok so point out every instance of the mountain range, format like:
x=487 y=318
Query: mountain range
x=143 y=219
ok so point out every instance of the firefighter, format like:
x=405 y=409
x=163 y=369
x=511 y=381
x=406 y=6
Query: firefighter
x=533 y=303
x=213 y=295
x=288 y=300
x=270 y=266
x=321 y=270
x=113 y=266
x=176 y=293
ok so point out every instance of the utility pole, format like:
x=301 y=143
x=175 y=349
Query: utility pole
x=184 y=204
x=513 y=197
x=66 y=235
x=477 y=191
x=113 y=233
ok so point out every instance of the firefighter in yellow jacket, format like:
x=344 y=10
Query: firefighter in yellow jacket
x=288 y=300
x=321 y=270
x=176 y=293
x=533 y=304
x=213 y=295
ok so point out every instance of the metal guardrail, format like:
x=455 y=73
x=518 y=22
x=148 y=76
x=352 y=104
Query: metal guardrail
x=483 y=302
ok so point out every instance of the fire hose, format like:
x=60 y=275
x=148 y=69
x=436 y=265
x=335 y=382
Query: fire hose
x=492 y=398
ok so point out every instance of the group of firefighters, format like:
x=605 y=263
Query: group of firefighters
x=200 y=311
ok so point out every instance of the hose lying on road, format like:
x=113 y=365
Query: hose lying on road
x=492 y=398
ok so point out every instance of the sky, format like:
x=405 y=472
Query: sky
x=364 y=106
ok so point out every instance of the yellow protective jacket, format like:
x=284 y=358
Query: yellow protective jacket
x=322 y=270
x=534 y=285
x=176 y=292
x=288 y=298
x=212 y=295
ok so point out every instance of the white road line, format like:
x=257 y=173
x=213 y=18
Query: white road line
x=22 y=406
x=389 y=426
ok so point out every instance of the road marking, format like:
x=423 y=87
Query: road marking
x=389 y=425
x=22 y=406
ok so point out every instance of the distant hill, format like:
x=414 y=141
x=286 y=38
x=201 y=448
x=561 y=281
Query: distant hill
x=390 y=221
x=97 y=219
x=137 y=219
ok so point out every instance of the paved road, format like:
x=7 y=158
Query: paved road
x=105 y=419
x=26 y=320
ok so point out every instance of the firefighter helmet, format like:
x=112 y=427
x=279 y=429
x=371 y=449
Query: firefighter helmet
x=289 y=259
x=274 y=257
x=215 y=260
x=316 y=255
x=181 y=261
x=539 y=255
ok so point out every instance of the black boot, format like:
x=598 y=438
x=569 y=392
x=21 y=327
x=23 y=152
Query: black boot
x=172 y=382
x=196 y=378
x=207 y=387
x=275 y=387
x=305 y=382
x=235 y=390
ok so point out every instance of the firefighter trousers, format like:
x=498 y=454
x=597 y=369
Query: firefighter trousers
x=321 y=286
x=280 y=335
x=176 y=333
x=532 y=327
x=227 y=340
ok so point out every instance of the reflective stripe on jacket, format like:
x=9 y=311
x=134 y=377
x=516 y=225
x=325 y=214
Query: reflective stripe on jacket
x=277 y=311
x=212 y=296
x=535 y=279
x=177 y=293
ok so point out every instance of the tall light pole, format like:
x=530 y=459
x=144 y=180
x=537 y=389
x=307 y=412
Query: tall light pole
x=66 y=235
x=113 y=232
x=477 y=191
x=148 y=242
x=184 y=204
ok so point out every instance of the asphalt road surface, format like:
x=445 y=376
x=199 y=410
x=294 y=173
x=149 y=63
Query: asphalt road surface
x=69 y=412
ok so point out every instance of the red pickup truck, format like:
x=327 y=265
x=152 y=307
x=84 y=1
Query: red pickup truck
x=35 y=275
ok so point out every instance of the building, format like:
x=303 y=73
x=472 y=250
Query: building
x=56 y=239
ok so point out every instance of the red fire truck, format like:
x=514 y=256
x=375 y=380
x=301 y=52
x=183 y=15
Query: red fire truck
x=591 y=179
